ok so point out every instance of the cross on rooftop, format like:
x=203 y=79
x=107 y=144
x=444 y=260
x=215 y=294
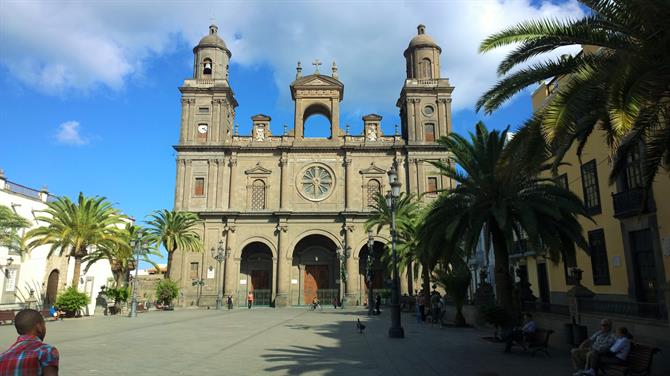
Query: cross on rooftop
x=316 y=64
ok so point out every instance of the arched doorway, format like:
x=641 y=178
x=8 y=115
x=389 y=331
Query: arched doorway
x=52 y=288
x=256 y=274
x=378 y=270
x=316 y=270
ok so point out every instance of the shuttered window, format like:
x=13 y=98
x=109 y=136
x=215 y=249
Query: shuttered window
x=599 y=264
x=590 y=186
x=199 y=188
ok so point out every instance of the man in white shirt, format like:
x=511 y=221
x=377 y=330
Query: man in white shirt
x=617 y=353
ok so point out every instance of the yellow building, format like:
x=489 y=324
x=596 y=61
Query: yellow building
x=629 y=264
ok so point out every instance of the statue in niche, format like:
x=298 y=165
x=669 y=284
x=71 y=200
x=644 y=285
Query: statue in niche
x=372 y=134
x=260 y=134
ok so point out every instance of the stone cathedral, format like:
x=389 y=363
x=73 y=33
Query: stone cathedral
x=289 y=211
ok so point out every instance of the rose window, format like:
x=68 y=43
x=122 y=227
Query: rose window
x=316 y=182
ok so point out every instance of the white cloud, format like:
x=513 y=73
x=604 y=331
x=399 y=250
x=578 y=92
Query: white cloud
x=68 y=134
x=55 y=47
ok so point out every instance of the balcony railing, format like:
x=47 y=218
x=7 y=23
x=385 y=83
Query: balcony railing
x=630 y=203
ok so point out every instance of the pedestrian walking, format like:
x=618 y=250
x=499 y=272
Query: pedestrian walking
x=29 y=355
x=250 y=299
x=229 y=302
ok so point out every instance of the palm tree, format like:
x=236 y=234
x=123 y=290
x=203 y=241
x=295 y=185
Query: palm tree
x=10 y=224
x=623 y=87
x=121 y=255
x=175 y=230
x=73 y=228
x=504 y=198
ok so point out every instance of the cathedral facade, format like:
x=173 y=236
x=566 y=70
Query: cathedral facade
x=288 y=212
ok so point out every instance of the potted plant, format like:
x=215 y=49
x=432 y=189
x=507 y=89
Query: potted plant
x=72 y=301
x=166 y=292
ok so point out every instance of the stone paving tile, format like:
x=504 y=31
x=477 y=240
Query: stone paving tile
x=289 y=341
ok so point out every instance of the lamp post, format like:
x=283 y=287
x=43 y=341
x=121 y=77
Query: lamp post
x=342 y=255
x=396 y=330
x=219 y=255
x=138 y=248
x=369 y=272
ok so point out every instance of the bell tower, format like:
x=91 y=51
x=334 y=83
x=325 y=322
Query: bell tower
x=425 y=99
x=208 y=102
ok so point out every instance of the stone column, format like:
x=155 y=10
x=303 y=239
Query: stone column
x=216 y=108
x=352 y=270
x=283 y=188
x=229 y=284
x=411 y=178
x=348 y=183
x=211 y=183
x=411 y=120
x=281 y=299
x=441 y=118
x=402 y=173
x=184 y=121
x=187 y=185
x=179 y=185
x=417 y=124
x=220 y=168
x=447 y=109
x=232 y=197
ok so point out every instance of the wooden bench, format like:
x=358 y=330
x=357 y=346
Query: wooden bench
x=638 y=362
x=7 y=316
x=536 y=342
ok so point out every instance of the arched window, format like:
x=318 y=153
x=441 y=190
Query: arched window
x=426 y=68
x=258 y=195
x=374 y=187
x=207 y=66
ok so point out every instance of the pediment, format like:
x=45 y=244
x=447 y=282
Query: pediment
x=317 y=80
x=373 y=170
x=258 y=170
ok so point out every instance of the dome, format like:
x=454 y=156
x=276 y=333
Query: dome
x=212 y=39
x=422 y=39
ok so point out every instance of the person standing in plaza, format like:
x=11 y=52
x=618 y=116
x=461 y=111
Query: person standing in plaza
x=250 y=299
x=29 y=355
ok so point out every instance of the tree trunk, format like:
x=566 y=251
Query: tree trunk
x=77 y=271
x=169 y=265
x=425 y=274
x=501 y=271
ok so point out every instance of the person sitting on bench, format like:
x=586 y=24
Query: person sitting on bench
x=519 y=334
x=616 y=354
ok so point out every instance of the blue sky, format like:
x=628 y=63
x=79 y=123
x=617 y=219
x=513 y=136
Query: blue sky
x=90 y=100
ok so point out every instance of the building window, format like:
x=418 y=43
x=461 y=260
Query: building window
x=194 y=270
x=426 y=68
x=633 y=170
x=199 y=189
x=203 y=110
x=432 y=186
x=207 y=66
x=258 y=195
x=562 y=181
x=599 y=264
x=374 y=188
x=590 y=186
x=429 y=132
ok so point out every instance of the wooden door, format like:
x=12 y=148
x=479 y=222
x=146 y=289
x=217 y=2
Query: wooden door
x=543 y=283
x=316 y=277
x=260 y=279
x=52 y=287
x=644 y=266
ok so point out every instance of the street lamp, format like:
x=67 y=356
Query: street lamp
x=139 y=248
x=342 y=255
x=219 y=255
x=369 y=270
x=396 y=330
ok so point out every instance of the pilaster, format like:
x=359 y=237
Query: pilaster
x=220 y=169
x=179 y=184
x=184 y=121
x=348 y=183
x=187 y=185
x=229 y=284
x=211 y=184
x=232 y=196
x=284 y=186
x=352 y=269
x=281 y=299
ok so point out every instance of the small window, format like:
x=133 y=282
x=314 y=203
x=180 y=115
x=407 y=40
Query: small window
x=429 y=132
x=426 y=68
x=258 y=195
x=590 y=186
x=194 y=270
x=203 y=110
x=199 y=189
x=562 y=181
x=432 y=186
x=633 y=170
x=373 y=188
x=599 y=264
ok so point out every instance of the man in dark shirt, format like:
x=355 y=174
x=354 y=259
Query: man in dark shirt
x=29 y=355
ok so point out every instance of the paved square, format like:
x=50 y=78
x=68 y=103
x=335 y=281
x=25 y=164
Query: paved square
x=291 y=341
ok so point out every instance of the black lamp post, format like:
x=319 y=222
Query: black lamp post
x=369 y=272
x=219 y=254
x=396 y=330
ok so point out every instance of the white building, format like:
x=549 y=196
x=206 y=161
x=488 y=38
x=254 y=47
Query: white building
x=45 y=277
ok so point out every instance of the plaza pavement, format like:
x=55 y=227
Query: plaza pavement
x=289 y=341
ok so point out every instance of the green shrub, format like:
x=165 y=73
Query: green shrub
x=166 y=291
x=119 y=295
x=71 y=300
